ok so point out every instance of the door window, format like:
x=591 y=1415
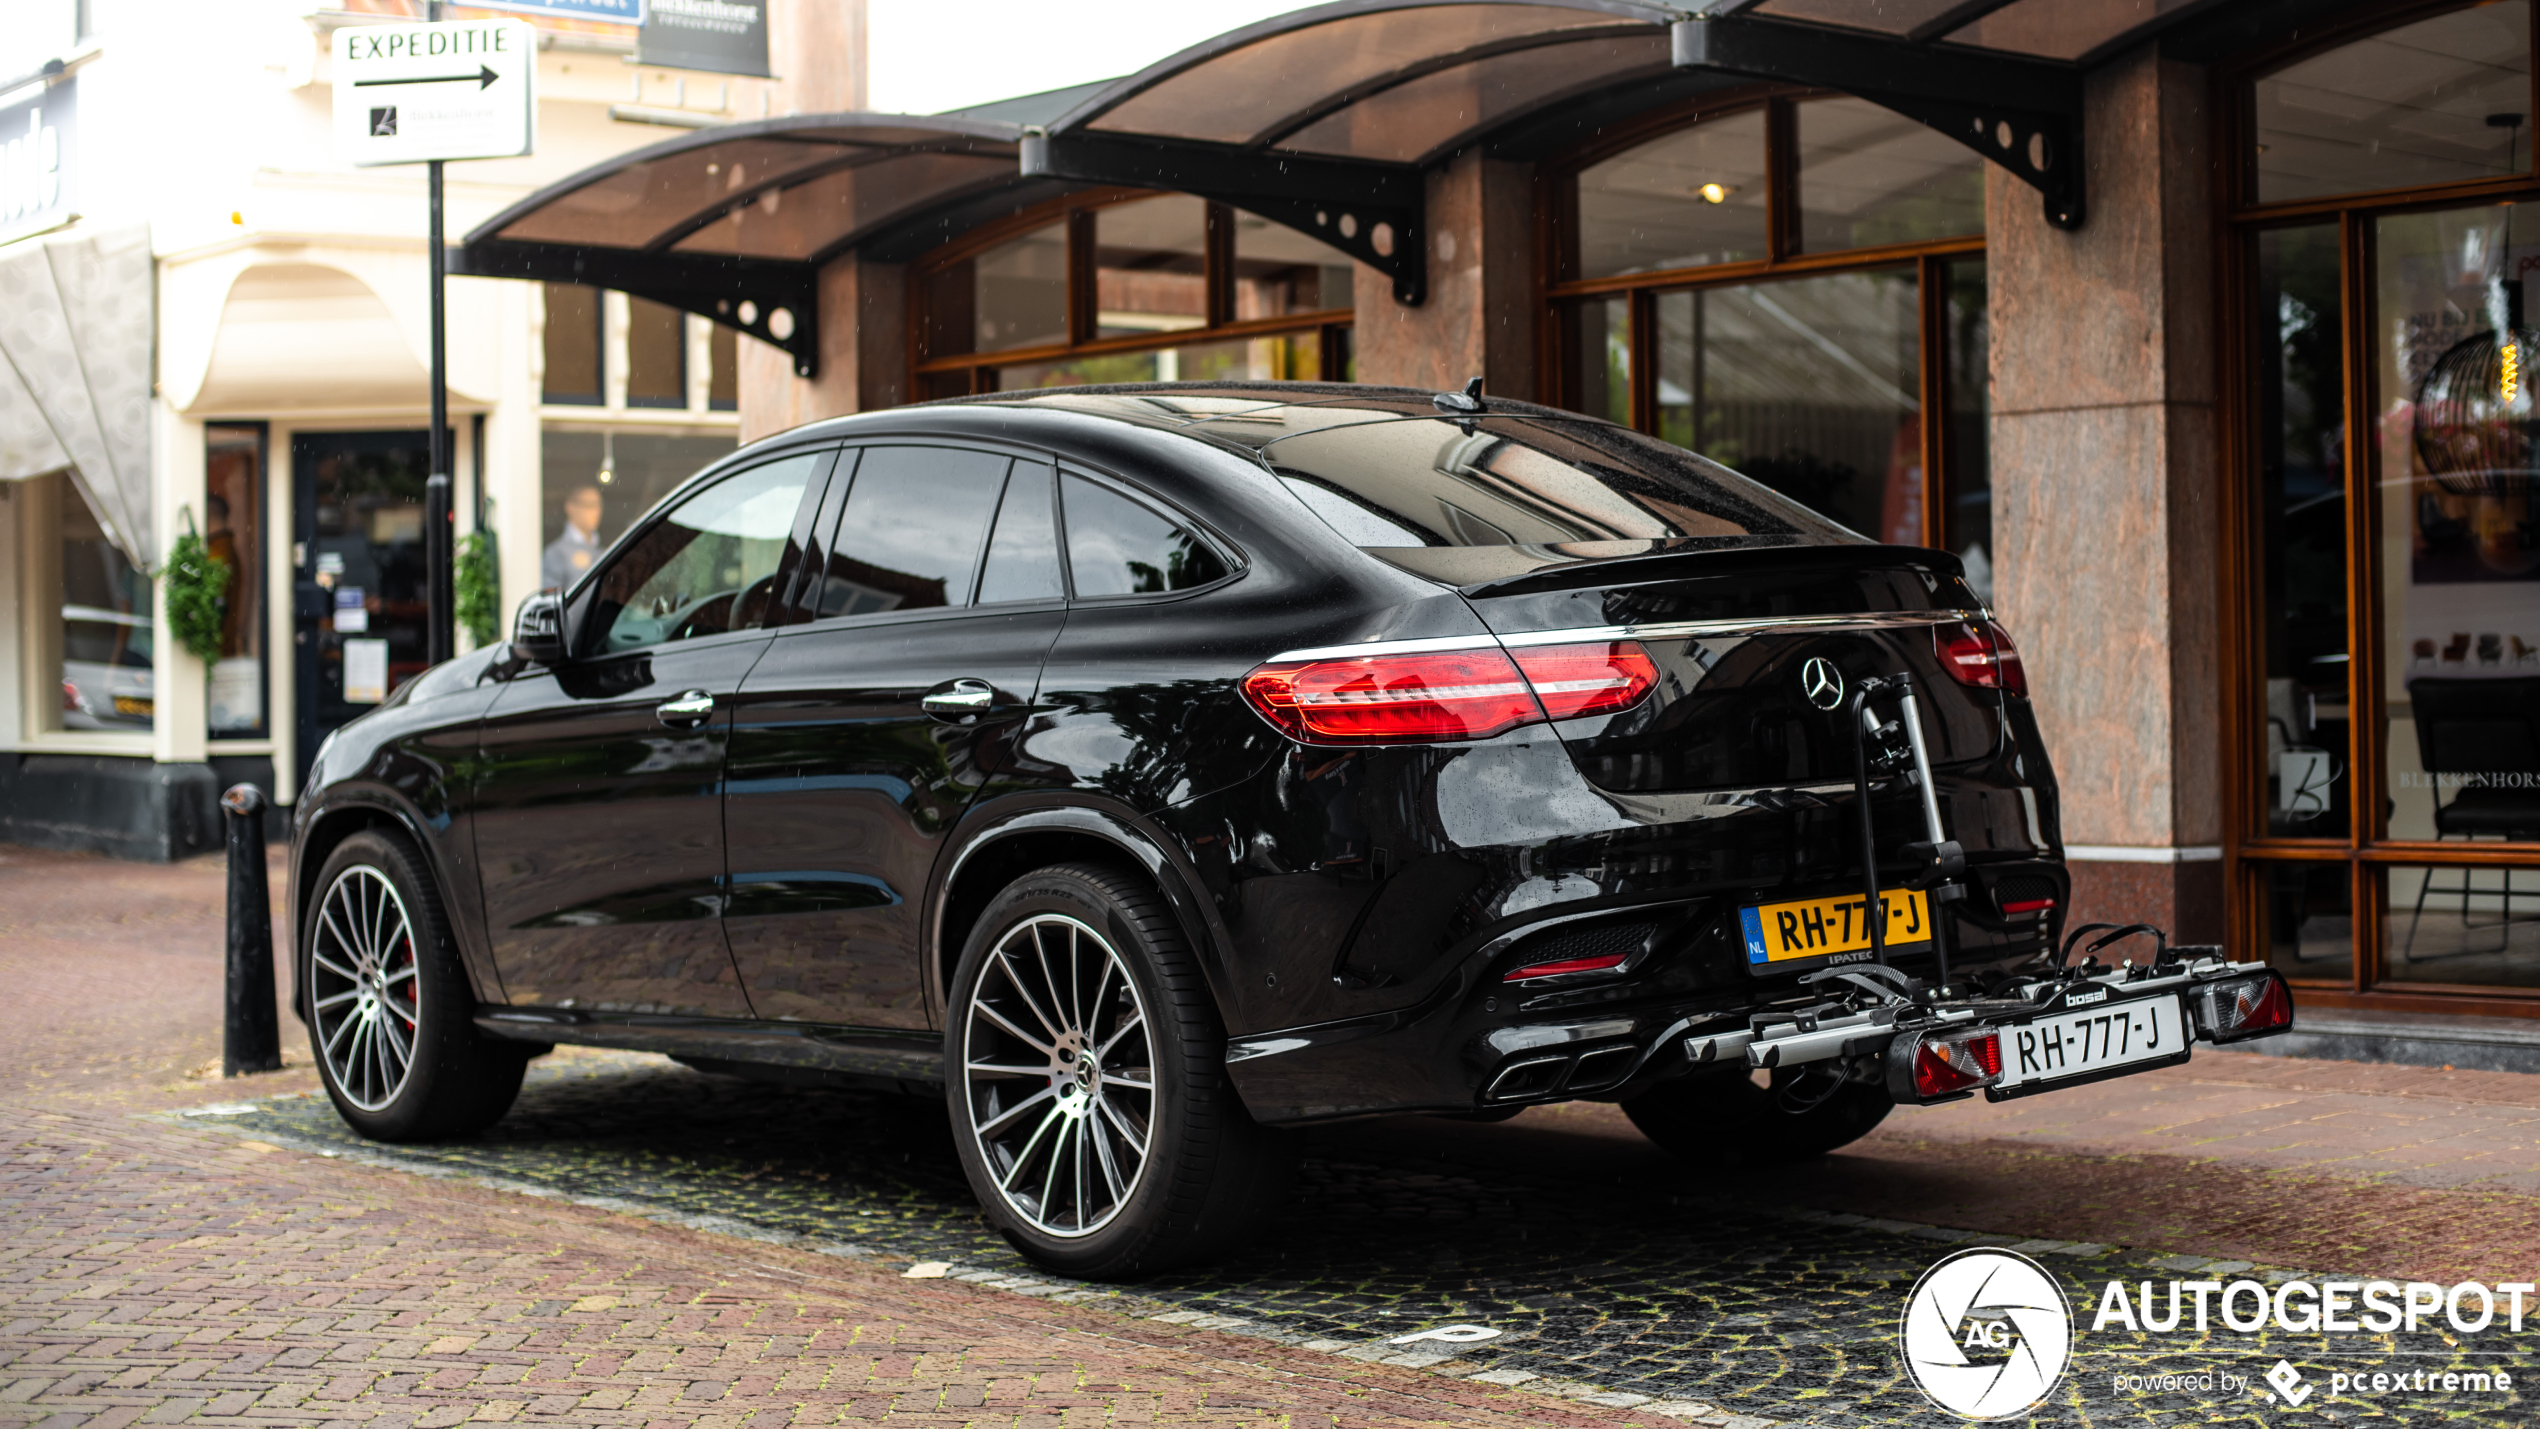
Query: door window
x=1117 y=546
x=708 y=566
x=910 y=538
x=1023 y=555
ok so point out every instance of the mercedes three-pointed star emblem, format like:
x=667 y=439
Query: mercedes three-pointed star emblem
x=1821 y=682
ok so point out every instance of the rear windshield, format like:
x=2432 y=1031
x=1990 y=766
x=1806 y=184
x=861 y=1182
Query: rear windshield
x=1392 y=482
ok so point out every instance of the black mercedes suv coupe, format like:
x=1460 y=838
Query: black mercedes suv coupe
x=1147 y=769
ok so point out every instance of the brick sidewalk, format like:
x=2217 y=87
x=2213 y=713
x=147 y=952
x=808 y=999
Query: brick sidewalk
x=154 y=1271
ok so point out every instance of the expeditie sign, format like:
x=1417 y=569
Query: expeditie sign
x=460 y=89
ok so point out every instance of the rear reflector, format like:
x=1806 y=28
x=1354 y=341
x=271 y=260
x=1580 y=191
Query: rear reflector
x=2239 y=1008
x=1567 y=965
x=1946 y=1064
x=1979 y=653
x=1578 y=680
x=1449 y=695
x=2029 y=905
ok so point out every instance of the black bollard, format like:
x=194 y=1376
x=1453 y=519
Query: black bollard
x=250 y=1041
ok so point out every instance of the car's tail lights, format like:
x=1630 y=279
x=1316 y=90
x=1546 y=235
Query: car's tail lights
x=1568 y=965
x=1394 y=699
x=1935 y=1065
x=1577 y=680
x=2236 y=1009
x=1430 y=696
x=2029 y=905
x=72 y=700
x=1980 y=653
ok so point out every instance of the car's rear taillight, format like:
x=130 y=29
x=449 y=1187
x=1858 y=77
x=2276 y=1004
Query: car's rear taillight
x=1979 y=653
x=1426 y=697
x=1394 y=699
x=1577 y=680
x=1932 y=1066
x=2236 y=1009
x=72 y=699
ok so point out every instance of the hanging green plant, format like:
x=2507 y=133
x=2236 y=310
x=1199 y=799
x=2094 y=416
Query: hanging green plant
x=197 y=585
x=476 y=587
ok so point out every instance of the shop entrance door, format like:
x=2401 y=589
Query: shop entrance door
x=357 y=542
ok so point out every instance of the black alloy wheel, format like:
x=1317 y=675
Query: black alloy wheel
x=389 y=1007
x=1087 y=1082
x=1722 y=1117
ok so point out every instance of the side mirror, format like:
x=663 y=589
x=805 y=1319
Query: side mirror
x=538 y=630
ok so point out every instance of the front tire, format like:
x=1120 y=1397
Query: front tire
x=1087 y=1083
x=1722 y=1118
x=390 y=1011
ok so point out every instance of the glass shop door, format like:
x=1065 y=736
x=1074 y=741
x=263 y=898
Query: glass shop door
x=358 y=626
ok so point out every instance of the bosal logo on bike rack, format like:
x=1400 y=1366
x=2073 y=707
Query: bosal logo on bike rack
x=1987 y=1334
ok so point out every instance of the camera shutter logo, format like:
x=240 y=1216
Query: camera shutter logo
x=1987 y=1334
x=1821 y=682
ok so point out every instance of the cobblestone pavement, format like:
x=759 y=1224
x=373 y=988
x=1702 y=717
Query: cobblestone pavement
x=697 y=1250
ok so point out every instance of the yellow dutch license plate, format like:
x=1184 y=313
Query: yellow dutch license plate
x=1809 y=928
x=127 y=705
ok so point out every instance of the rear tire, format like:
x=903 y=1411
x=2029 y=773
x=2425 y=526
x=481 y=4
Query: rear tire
x=391 y=1013
x=1721 y=1118
x=1086 y=1081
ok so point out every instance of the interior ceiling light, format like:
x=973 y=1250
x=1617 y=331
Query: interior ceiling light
x=1716 y=193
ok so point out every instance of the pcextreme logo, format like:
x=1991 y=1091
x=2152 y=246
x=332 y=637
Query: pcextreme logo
x=1987 y=1334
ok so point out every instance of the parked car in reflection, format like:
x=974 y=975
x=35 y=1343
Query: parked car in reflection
x=105 y=669
x=1148 y=770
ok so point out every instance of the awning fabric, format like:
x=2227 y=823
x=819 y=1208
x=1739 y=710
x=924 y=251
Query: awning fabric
x=75 y=356
x=733 y=221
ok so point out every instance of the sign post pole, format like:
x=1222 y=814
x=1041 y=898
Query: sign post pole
x=422 y=93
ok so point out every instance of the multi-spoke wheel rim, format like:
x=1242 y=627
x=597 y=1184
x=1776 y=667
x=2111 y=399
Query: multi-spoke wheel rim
x=362 y=987
x=1059 y=1071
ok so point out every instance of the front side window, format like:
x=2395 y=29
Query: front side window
x=1116 y=546
x=911 y=535
x=709 y=565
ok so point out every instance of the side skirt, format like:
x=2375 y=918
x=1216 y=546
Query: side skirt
x=864 y=1056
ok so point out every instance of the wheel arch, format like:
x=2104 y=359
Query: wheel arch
x=1012 y=842
x=324 y=830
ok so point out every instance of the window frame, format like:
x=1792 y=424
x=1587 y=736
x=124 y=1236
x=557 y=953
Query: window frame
x=1557 y=204
x=2251 y=853
x=972 y=373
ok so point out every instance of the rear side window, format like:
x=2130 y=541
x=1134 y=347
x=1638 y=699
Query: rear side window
x=910 y=536
x=1023 y=555
x=1116 y=546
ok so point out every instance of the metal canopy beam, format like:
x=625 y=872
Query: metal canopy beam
x=2022 y=114
x=1373 y=212
x=773 y=301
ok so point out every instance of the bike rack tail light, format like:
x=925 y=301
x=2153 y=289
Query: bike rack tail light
x=2240 y=1008
x=1926 y=1067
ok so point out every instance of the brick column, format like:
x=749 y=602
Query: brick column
x=1482 y=309
x=2106 y=484
x=863 y=353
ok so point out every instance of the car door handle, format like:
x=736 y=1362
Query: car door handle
x=962 y=700
x=686 y=712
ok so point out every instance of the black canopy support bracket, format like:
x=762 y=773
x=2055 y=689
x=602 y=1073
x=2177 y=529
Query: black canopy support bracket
x=1375 y=213
x=2022 y=114
x=775 y=302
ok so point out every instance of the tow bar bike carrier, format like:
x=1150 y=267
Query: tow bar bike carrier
x=1876 y=1009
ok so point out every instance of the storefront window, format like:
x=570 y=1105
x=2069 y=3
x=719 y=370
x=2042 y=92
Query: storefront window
x=656 y=355
x=233 y=531
x=2296 y=318
x=1151 y=266
x=107 y=636
x=1869 y=176
x=2464 y=925
x=594 y=484
x=2308 y=914
x=2460 y=600
x=1167 y=288
x=1966 y=459
x=572 y=345
x=1809 y=386
x=2440 y=101
x=1812 y=378
x=1695 y=197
